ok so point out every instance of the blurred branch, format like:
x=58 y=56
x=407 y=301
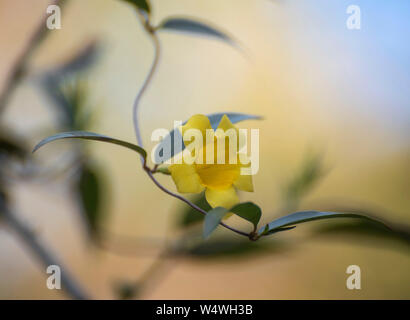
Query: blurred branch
x=43 y=253
x=19 y=68
x=128 y=245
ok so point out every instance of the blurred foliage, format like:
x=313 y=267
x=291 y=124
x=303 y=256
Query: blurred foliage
x=127 y=291
x=189 y=25
x=190 y=216
x=73 y=94
x=90 y=193
x=68 y=90
x=364 y=230
x=11 y=146
x=309 y=173
x=140 y=4
x=232 y=247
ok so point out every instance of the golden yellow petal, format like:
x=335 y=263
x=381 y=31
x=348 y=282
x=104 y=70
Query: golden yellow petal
x=185 y=178
x=226 y=124
x=218 y=176
x=199 y=122
x=226 y=198
x=244 y=183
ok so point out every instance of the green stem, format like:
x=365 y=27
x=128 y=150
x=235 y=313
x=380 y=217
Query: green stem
x=157 y=48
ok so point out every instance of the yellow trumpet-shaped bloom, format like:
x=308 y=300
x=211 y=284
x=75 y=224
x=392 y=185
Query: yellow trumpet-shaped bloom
x=219 y=180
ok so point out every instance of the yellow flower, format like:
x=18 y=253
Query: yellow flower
x=219 y=180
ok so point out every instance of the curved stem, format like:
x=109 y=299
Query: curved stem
x=192 y=205
x=145 y=85
x=157 y=48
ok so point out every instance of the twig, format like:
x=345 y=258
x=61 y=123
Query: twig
x=192 y=205
x=43 y=254
x=19 y=68
x=147 y=81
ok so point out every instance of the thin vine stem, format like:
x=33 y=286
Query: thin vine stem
x=192 y=205
x=147 y=81
x=157 y=49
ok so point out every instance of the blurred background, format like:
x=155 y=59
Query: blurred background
x=335 y=135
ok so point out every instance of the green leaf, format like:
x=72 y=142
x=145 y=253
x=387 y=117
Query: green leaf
x=190 y=25
x=305 y=216
x=175 y=135
x=90 y=136
x=248 y=211
x=141 y=4
x=191 y=216
x=212 y=220
x=89 y=188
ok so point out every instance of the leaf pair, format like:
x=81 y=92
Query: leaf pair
x=247 y=210
x=185 y=24
x=252 y=213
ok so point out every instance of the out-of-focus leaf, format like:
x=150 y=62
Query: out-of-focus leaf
x=212 y=220
x=191 y=216
x=127 y=291
x=227 y=247
x=248 y=211
x=3 y=199
x=70 y=95
x=194 y=26
x=64 y=88
x=141 y=4
x=305 y=216
x=310 y=172
x=89 y=189
x=11 y=147
x=80 y=61
x=91 y=136
x=175 y=135
x=364 y=229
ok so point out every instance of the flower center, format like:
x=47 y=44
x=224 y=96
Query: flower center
x=218 y=176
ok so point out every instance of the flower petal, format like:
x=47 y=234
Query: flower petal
x=226 y=198
x=241 y=139
x=226 y=124
x=244 y=183
x=185 y=178
x=199 y=122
